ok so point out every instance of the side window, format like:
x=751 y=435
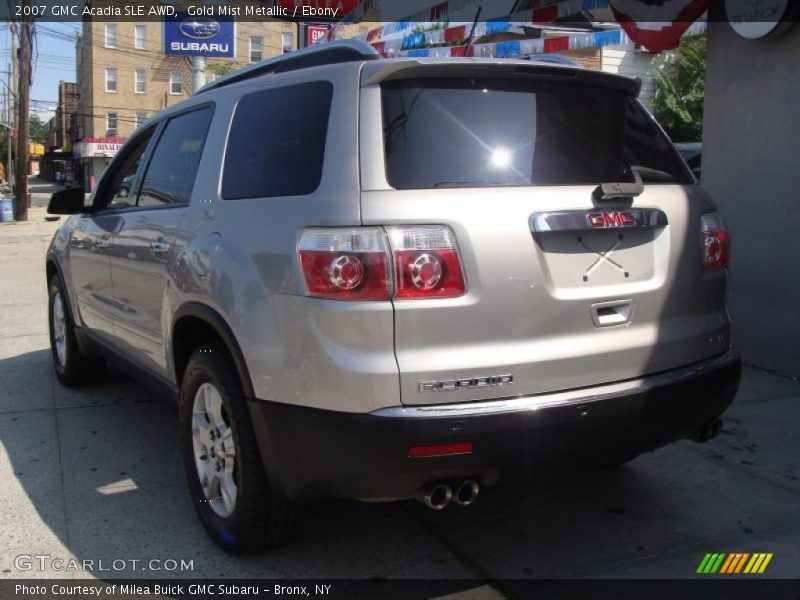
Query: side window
x=119 y=183
x=277 y=142
x=172 y=169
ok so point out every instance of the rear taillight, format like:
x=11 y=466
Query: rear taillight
x=426 y=262
x=359 y=263
x=716 y=243
x=346 y=264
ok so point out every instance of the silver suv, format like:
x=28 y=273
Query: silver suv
x=387 y=279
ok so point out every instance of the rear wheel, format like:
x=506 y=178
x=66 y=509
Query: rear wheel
x=72 y=367
x=222 y=462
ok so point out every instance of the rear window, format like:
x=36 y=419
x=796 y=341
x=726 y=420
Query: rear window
x=277 y=142
x=490 y=132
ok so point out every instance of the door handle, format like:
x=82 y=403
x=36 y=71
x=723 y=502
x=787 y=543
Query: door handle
x=159 y=247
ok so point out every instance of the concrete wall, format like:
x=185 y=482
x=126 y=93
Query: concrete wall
x=750 y=166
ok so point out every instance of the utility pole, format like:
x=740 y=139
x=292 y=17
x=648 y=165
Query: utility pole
x=12 y=71
x=23 y=107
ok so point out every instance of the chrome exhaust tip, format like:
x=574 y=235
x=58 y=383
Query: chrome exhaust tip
x=467 y=492
x=437 y=496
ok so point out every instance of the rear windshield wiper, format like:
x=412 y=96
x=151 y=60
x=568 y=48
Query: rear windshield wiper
x=619 y=189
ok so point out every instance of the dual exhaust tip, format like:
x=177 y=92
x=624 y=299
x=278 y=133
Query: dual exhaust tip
x=708 y=432
x=438 y=496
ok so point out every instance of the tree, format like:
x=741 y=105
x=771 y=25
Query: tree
x=36 y=132
x=680 y=79
x=222 y=68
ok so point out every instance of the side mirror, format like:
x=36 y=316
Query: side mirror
x=66 y=202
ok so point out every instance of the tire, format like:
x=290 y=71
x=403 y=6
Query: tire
x=229 y=488
x=72 y=367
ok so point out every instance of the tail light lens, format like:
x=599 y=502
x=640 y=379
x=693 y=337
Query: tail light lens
x=346 y=264
x=426 y=262
x=716 y=243
x=356 y=263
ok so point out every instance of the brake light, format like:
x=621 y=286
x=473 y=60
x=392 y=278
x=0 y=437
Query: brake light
x=716 y=242
x=346 y=264
x=426 y=262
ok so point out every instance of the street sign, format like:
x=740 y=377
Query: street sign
x=185 y=35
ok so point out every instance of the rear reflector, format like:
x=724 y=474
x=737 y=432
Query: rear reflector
x=440 y=450
x=426 y=262
x=716 y=243
x=346 y=264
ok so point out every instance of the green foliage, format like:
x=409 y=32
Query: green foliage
x=680 y=89
x=35 y=129
x=222 y=68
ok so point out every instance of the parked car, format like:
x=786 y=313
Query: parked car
x=390 y=279
x=125 y=187
x=692 y=153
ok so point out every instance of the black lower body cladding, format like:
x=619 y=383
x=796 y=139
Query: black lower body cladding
x=311 y=453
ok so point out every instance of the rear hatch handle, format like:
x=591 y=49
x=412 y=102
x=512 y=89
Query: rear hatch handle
x=621 y=189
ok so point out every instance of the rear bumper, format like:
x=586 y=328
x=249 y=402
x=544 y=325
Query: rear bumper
x=311 y=453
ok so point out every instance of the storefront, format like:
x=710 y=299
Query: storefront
x=94 y=155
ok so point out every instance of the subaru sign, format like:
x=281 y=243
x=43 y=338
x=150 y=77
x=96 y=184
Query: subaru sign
x=186 y=35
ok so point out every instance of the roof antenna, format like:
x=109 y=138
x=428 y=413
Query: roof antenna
x=472 y=31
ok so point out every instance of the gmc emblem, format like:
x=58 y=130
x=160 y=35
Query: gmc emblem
x=599 y=220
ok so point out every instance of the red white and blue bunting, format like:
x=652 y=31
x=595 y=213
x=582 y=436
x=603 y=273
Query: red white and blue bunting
x=656 y=24
x=524 y=48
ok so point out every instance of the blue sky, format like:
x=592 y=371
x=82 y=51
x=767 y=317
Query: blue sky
x=55 y=62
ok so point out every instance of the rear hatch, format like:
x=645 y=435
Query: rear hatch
x=564 y=289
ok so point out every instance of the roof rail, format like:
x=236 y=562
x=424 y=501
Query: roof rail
x=340 y=51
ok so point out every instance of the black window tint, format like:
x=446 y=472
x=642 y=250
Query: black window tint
x=277 y=142
x=478 y=133
x=173 y=166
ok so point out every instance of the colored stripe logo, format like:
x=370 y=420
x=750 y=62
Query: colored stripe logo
x=734 y=563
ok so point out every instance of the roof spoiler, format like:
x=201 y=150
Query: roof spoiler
x=517 y=69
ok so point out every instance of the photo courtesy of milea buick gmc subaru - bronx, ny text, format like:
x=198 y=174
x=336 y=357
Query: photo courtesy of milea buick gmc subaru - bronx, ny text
x=391 y=279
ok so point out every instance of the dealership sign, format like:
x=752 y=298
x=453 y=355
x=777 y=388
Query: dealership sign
x=186 y=35
x=315 y=33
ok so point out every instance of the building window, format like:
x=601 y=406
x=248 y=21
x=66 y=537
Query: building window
x=111 y=124
x=140 y=37
x=141 y=117
x=256 y=49
x=111 y=35
x=176 y=82
x=286 y=41
x=111 y=80
x=140 y=81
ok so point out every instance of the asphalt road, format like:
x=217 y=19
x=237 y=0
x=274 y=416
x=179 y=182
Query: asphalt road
x=95 y=475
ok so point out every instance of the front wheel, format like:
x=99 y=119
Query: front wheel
x=72 y=367
x=223 y=465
